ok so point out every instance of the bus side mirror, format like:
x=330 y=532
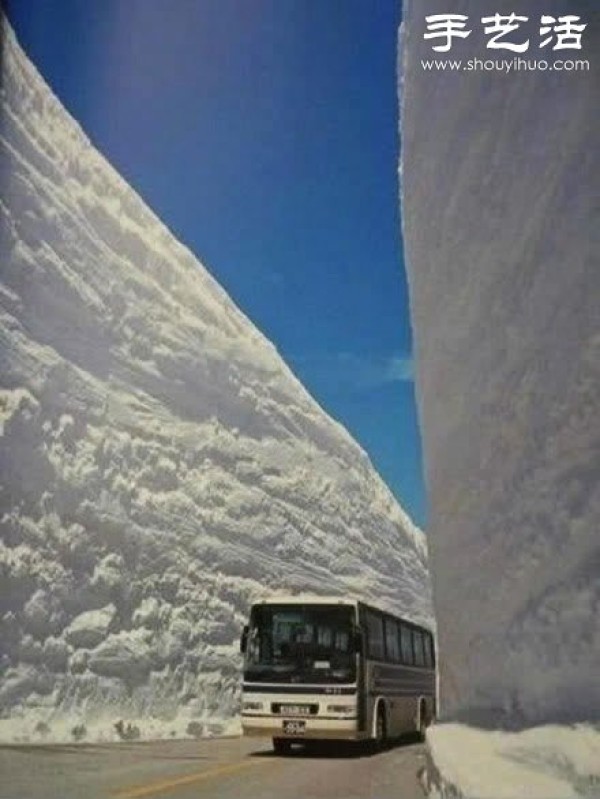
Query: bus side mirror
x=244 y=639
x=357 y=641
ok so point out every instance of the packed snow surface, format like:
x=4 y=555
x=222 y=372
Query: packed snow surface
x=499 y=174
x=160 y=464
x=549 y=762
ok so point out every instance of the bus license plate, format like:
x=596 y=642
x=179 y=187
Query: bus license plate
x=294 y=727
x=295 y=710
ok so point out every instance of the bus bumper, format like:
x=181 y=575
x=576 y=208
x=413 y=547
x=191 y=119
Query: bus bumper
x=314 y=728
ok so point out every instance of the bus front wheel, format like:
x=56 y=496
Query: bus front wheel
x=282 y=746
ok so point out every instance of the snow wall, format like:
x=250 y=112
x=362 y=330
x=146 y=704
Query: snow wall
x=160 y=464
x=498 y=176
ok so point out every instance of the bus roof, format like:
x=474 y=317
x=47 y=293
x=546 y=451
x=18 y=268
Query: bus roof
x=305 y=599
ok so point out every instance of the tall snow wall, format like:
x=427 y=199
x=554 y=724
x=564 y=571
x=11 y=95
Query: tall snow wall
x=498 y=177
x=160 y=466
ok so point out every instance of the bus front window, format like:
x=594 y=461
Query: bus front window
x=301 y=643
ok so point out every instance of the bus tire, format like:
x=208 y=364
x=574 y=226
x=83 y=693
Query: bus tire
x=423 y=721
x=381 y=731
x=282 y=746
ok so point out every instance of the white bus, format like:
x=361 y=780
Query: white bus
x=331 y=668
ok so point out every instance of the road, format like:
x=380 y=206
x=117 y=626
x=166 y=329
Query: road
x=226 y=768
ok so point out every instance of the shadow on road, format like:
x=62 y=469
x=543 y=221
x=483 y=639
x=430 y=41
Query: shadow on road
x=53 y=749
x=140 y=750
x=340 y=749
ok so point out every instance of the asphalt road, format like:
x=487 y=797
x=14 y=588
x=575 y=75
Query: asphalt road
x=226 y=768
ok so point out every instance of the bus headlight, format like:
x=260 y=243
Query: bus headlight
x=252 y=706
x=346 y=709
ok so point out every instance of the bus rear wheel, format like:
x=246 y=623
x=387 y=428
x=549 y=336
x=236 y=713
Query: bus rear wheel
x=423 y=720
x=282 y=746
x=380 y=727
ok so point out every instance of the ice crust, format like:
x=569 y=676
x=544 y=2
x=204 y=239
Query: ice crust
x=160 y=464
x=499 y=174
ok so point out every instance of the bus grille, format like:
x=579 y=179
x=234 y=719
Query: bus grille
x=294 y=708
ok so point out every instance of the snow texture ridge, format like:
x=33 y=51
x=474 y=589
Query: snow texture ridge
x=160 y=464
x=499 y=174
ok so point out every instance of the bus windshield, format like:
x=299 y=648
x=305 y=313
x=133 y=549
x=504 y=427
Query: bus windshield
x=301 y=644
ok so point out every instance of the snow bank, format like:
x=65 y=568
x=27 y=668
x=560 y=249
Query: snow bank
x=160 y=464
x=499 y=172
x=550 y=762
x=86 y=727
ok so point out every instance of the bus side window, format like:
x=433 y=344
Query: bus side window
x=406 y=645
x=375 y=636
x=418 y=645
x=391 y=640
x=399 y=641
x=428 y=650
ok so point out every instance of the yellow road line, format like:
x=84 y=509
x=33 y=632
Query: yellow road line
x=151 y=788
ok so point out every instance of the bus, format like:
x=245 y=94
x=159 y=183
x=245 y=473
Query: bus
x=319 y=668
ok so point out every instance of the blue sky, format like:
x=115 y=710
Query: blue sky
x=264 y=134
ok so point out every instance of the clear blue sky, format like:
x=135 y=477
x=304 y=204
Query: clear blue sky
x=264 y=134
